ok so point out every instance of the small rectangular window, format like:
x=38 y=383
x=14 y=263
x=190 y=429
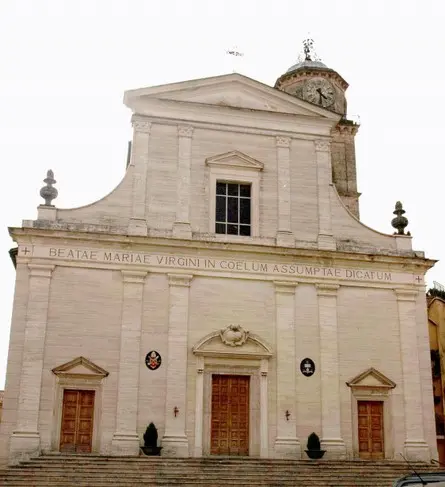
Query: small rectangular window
x=233 y=210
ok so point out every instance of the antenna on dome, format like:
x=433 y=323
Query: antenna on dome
x=235 y=54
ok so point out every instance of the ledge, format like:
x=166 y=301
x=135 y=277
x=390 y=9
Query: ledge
x=87 y=233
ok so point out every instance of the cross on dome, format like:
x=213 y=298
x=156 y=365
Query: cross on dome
x=308 y=57
x=309 y=51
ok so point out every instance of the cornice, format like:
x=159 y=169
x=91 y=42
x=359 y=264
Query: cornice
x=181 y=112
x=345 y=129
x=279 y=131
x=68 y=369
x=29 y=236
x=187 y=91
x=235 y=159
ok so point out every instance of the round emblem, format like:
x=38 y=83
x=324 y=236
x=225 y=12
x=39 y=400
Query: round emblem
x=307 y=367
x=153 y=360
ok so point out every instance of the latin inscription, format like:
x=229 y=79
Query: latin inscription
x=202 y=263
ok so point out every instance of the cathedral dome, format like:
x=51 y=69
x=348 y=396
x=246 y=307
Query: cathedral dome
x=307 y=63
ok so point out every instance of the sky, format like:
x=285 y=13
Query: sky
x=64 y=66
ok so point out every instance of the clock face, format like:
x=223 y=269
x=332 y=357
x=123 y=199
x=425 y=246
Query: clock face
x=320 y=92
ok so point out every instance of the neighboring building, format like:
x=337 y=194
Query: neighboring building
x=223 y=291
x=436 y=326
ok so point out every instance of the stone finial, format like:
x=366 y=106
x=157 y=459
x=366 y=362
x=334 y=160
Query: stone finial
x=48 y=192
x=400 y=222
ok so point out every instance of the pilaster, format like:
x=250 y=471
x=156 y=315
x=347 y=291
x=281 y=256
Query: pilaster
x=175 y=442
x=344 y=173
x=415 y=445
x=264 y=415
x=287 y=444
x=125 y=439
x=25 y=439
x=326 y=240
x=139 y=166
x=285 y=238
x=181 y=227
x=199 y=405
x=331 y=440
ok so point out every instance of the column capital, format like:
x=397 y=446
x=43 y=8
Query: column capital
x=185 y=130
x=41 y=270
x=141 y=126
x=327 y=289
x=285 y=287
x=135 y=277
x=199 y=364
x=283 y=141
x=181 y=280
x=406 y=294
x=264 y=367
x=322 y=145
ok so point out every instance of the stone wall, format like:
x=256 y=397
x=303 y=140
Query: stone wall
x=84 y=319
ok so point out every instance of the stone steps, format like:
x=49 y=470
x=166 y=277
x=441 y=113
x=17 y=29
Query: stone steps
x=184 y=472
x=198 y=482
x=98 y=471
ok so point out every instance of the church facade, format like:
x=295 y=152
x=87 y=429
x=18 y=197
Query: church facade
x=225 y=291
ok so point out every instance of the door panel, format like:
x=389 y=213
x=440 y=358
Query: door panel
x=69 y=415
x=230 y=415
x=76 y=434
x=370 y=429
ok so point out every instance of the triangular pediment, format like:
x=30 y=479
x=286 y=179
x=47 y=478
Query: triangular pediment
x=81 y=367
x=371 y=378
x=231 y=90
x=235 y=159
x=224 y=343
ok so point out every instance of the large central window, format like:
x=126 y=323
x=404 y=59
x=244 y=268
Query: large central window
x=233 y=208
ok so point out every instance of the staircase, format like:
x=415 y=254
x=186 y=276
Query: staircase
x=98 y=471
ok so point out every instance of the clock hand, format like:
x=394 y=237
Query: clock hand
x=321 y=93
x=321 y=96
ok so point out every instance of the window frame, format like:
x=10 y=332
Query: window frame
x=235 y=175
x=239 y=198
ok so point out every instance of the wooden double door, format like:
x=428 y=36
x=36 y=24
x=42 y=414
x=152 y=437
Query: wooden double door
x=230 y=415
x=76 y=435
x=370 y=430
